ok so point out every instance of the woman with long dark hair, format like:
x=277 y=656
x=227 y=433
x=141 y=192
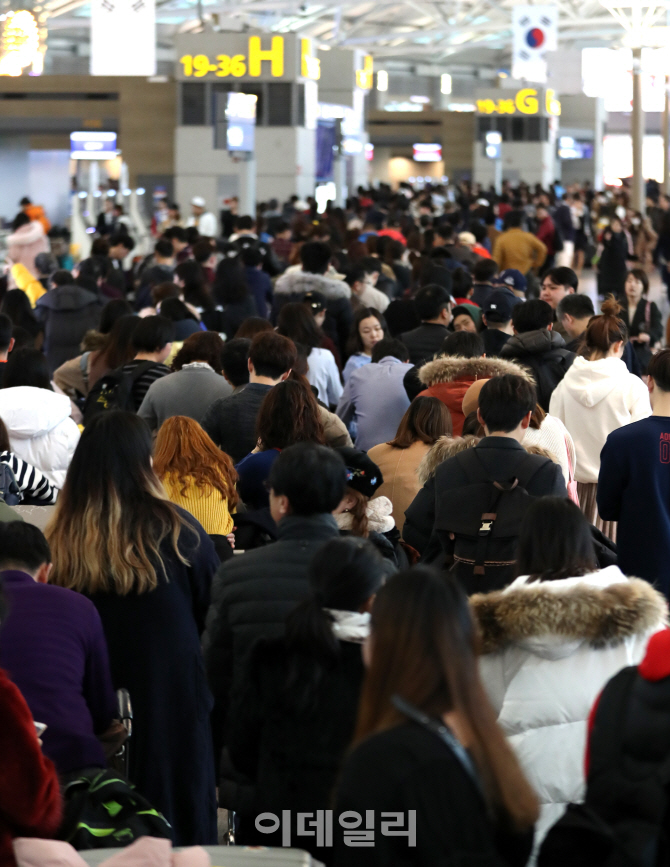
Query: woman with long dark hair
x=552 y=640
x=147 y=565
x=427 y=740
x=297 y=322
x=294 y=716
x=288 y=415
x=426 y=420
x=232 y=295
x=77 y=376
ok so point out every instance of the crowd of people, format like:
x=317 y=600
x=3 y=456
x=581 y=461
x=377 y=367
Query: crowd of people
x=364 y=509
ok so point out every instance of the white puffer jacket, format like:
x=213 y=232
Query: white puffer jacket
x=549 y=649
x=40 y=429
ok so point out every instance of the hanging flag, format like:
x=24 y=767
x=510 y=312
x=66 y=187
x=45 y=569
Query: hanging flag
x=123 y=37
x=534 y=31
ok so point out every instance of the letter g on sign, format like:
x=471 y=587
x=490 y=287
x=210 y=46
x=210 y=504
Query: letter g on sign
x=526 y=101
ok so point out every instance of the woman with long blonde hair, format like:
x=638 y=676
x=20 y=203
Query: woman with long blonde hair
x=427 y=740
x=196 y=474
x=147 y=566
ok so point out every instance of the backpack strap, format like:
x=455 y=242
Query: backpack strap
x=486 y=527
x=129 y=379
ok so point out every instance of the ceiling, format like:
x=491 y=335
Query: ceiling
x=451 y=33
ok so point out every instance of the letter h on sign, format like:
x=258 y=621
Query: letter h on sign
x=275 y=55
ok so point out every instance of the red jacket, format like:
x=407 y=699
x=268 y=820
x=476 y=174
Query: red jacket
x=546 y=232
x=30 y=801
x=449 y=377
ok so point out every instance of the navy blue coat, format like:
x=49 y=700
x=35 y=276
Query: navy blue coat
x=154 y=652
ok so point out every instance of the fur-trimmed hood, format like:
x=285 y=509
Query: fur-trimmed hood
x=447 y=368
x=447 y=447
x=554 y=618
x=444 y=448
x=299 y=282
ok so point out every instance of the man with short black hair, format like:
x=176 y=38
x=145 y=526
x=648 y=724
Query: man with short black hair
x=234 y=362
x=6 y=343
x=634 y=484
x=537 y=347
x=483 y=275
x=557 y=284
x=506 y=404
x=231 y=421
x=574 y=313
x=291 y=286
x=253 y=594
x=375 y=394
x=433 y=305
x=177 y=236
x=152 y=341
x=259 y=282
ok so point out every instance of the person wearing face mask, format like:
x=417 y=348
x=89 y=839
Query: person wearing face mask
x=642 y=317
x=613 y=258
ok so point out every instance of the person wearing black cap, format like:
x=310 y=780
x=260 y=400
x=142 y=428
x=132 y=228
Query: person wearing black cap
x=497 y=316
x=358 y=514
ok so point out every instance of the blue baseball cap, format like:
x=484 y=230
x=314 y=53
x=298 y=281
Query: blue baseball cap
x=513 y=279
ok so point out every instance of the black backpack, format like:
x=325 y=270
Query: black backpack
x=621 y=822
x=103 y=810
x=484 y=517
x=114 y=391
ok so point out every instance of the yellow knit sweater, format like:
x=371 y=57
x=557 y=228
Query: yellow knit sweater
x=205 y=504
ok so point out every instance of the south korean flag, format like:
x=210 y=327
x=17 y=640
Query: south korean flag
x=535 y=31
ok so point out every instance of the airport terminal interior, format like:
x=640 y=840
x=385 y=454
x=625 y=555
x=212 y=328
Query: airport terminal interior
x=334 y=433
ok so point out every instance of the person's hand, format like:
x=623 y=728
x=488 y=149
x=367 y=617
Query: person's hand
x=642 y=338
x=231 y=539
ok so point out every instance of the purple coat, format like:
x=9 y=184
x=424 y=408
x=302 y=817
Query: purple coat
x=53 y=647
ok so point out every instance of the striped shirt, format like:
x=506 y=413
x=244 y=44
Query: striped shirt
x=32 y=484
x=146 y=380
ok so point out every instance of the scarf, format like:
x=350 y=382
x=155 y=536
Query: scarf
x=350 y=625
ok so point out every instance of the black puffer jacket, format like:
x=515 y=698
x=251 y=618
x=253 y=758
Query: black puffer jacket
x=67 y=313
x=544 y=353
x=425 y=342
x=252 y=595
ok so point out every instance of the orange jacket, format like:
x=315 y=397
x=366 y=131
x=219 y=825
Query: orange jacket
x=36 y=212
